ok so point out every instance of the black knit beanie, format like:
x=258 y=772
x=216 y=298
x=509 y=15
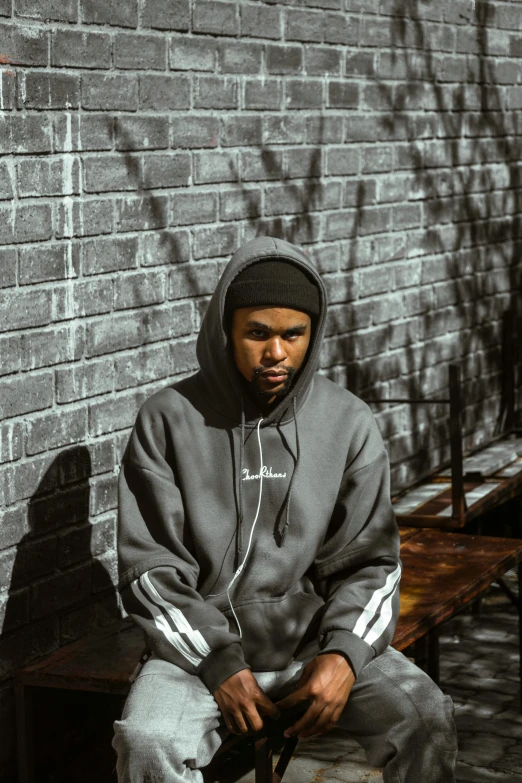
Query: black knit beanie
x=273 y=283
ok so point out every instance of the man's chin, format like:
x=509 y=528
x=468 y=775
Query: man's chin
x=265 y=394
x=269 y=390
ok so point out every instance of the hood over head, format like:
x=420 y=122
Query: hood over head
x=217 y=365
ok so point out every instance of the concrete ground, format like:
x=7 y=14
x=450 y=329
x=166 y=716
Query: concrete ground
x=479 y=658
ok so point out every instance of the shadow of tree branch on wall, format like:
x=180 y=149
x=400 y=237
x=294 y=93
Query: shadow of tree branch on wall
x=454 y=244
x=462 y=156
x=146 y=210
x=289 y=205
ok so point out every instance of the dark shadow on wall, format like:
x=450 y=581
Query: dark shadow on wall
x=58 y=592
x=151 y=214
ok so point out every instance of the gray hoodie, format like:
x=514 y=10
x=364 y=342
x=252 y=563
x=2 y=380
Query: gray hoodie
x=323 y=558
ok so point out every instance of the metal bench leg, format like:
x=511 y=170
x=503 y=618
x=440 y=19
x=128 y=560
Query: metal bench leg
x=433 y=655
x=427 y=654
x=476 y=607
x=284 y=759
x=24 y=733
x=263 y=761
x=421 y=653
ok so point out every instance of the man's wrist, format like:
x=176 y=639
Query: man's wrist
x=357 y=652
x=339 y=654
x=221 y=664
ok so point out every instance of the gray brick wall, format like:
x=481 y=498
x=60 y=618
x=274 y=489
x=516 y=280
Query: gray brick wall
x=141 y=143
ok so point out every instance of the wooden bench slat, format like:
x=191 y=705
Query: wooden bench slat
x=102 y=661
x=408 y=532
x=491 y=459
x=435 y=511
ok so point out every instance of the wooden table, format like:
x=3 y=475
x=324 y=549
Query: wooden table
x=442 y=573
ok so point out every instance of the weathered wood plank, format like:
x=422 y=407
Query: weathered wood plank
x=492 y=458
x=442 y=572
x=407 y=532
x=102 y=662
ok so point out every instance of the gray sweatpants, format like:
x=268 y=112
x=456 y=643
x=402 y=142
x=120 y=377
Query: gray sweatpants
x=171 y=725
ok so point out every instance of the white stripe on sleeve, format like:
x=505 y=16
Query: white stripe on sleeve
x=177 y=617
x=370 y=610
x=383 y=621
x=175 y=639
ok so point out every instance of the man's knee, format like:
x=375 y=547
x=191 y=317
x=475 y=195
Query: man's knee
x=424 y=711
x=147 y=741
x=432 y=714
x=428 y=713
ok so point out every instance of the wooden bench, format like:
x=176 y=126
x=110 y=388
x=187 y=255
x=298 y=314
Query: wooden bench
x=442 y=573
x=103 y=662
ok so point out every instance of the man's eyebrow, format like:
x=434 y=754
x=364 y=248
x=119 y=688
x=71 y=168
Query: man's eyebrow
x=258 y=325
x=291 y=329
x=296 y=329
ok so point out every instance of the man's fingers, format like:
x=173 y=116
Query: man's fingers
x=267 y=707
x=294 y=698
x=254 y=719
x=323 y=722
x=304 y=723
x=231 y=723
x=239 y=720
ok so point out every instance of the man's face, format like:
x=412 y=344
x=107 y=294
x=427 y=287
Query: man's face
x=269 y=345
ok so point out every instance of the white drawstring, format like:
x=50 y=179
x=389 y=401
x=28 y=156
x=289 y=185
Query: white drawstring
x=242 y=564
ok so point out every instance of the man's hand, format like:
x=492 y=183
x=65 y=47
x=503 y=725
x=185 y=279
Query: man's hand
x=326 y=683
x=242 y=703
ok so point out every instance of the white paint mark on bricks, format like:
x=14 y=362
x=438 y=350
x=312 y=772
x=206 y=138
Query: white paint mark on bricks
x=10 y=453
x=10 y=166
x=68 y=204
x=24 y=91
x=31 y=32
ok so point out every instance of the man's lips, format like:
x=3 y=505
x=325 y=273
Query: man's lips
x=274 y=377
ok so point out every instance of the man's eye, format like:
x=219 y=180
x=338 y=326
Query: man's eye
x=258 y=333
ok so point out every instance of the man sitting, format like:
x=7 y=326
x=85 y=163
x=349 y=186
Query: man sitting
x=259 y=551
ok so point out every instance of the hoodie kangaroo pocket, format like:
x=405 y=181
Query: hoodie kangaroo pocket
x=273 y=628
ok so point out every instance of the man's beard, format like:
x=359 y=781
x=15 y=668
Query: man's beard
x=265 y=395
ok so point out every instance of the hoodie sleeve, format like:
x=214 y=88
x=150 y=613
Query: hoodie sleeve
x=358 y=565
x=158 y=573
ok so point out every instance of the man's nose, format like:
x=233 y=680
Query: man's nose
x=275 y=350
